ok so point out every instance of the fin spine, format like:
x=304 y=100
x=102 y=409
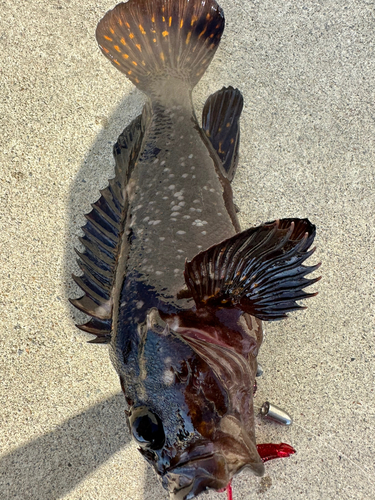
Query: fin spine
x=93 y=235
x=103 y=238
x=102 y=255
x=259 y=271
x=90 y=289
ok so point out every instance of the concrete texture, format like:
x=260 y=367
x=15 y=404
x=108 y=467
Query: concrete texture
x=306 y=70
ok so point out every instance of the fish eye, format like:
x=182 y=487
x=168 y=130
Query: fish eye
x=147 y=428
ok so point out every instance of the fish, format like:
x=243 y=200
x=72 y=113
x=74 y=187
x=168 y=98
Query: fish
x=170 y=282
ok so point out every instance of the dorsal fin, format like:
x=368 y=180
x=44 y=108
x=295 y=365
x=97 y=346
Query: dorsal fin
x=102 y=236
x=258 y=271
x=220 y=122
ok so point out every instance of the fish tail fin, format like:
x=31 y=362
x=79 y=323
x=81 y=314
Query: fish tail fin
x=153 y=40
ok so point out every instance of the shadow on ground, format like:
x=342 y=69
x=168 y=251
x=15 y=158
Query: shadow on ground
x=52 y=465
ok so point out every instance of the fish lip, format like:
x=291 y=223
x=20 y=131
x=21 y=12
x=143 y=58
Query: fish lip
x=189 y=478
x=187 y=462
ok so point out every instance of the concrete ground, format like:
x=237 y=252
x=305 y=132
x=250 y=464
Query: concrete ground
x=306 y=70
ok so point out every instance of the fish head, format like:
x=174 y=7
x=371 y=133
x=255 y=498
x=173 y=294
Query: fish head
x=191 y=425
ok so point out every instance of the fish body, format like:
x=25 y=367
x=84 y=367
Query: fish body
x=170 y=282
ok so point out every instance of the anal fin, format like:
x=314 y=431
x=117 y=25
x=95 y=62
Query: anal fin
x=220 y=123
x=258 y=271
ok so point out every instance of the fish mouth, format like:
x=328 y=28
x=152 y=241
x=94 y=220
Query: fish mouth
x=191 y=477
x=212 y=465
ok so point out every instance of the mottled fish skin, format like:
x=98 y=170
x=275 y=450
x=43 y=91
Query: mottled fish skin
x=177 y=207
x=169 y=281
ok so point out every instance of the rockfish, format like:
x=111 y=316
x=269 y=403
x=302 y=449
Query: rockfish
x=170 y=281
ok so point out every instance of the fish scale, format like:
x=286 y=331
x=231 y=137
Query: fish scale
x=165 y=236
x=170 y=281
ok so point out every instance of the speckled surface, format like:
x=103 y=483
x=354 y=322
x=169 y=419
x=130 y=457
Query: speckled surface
x=306 y=70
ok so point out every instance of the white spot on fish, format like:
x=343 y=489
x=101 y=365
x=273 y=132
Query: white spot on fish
x=168 y=377
x=139 y=304
x=172 y=186
x=204 y=233
x=193 y=176
x=179 y=193
x=192 y=168
x=146 y=219
x=171 y=176
x=196 y=201
x=181 y=232
x=177 y=271
x=165 y=198
x=156 y=160
x=175 y=207
x=161 y=238
x=167 y=170
x=158 y=273
x=183 y=164
x=156 y=222
x=174 y=214
x=162 y=162
x=212 y=190
x=190 y=156
x=180 y=251
x=186 y=216
x=184 y=176
x=219 y=213
x=182 y=204
x=199 y=246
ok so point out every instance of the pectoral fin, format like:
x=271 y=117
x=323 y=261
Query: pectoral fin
x=259 y=271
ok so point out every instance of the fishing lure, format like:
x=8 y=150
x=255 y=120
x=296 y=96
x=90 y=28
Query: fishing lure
x=170 y=281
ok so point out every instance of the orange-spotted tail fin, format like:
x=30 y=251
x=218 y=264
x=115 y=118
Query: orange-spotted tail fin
x=150 y=40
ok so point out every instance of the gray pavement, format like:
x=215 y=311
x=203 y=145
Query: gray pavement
x=306 y=70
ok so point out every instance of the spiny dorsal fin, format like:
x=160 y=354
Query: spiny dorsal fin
x=149 y=40
x=102 y=237
x=259 y=271
x=220 y=122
